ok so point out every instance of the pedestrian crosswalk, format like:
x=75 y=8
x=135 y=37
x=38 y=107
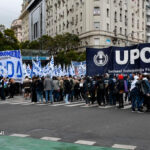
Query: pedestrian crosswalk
x=59 y=104
x=31 y=142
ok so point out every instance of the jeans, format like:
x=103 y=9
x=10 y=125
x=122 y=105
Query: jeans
x=66 y=98
x=137 y=100
x=39 y=96
x=49 y=93
x=56 y=95
x=87 y=98
x=112 y=99
x=100 y=97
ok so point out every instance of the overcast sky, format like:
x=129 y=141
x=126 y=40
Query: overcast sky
x=9 y=11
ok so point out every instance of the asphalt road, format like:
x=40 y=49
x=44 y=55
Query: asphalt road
x=104 y=126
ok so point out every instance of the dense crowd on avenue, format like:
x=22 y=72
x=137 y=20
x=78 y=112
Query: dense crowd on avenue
x=103 y=89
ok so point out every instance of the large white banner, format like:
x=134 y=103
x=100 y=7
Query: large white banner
x=11 y=65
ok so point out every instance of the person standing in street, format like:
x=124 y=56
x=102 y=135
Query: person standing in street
x=120 y=87
x=56 y=89
x=39 y=90
x=100 y=91
x=67 y=89
x=48 y=88
x=33 y=90
x=87 y=90
x=2 y=93
x=111 y=85
x=11 y=87
x=134 y=94
x=27 y=90
x=145 y=89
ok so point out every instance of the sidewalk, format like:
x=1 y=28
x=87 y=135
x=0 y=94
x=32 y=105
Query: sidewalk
x=17 y=99
x=16 y=143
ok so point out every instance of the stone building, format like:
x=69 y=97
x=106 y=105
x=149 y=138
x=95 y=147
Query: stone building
x=17 y=27
x=25 y=20
x=148 y=21
x=99 y=23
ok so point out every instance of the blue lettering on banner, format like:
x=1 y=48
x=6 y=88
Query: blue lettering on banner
x=15 y=53
x=11 y=65
x=19 y=70
x=118 y=59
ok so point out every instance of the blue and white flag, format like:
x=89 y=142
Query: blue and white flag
x=52 y=63
x=36 y=68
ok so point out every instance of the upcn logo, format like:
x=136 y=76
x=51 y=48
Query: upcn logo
x=132 y=55
x=100 y=59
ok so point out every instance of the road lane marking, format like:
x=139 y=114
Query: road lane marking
x=14 y=103
x=50 y=138
x=41 y=104
x=57 y=104
x=20 y=135
x=106 y=107
x=64 y=104
x=73 y=105
x=85 y=142
x=128 y=147
x=127 y=107
x=27 y=104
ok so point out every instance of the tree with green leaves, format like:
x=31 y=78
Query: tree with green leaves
x=8 y=41
x=66 y=57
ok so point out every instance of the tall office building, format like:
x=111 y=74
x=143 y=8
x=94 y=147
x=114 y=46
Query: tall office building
x=148 y=21
x=99 y=23
x=25 y=20
x=37 y=14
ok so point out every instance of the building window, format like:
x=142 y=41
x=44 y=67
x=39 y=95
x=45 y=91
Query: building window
x=138 y=24
x=120 y=17
x=80 y=16
x=96 y=25
x=107 y=12
x=36 y=30
x=107 y=26
x=125 y=32
x=96 y=11
x=81 y=29
x=96 y=41
x=115 y=16
x=120 y=30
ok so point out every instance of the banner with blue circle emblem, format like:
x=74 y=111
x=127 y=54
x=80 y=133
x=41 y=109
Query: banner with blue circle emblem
x=116 y=60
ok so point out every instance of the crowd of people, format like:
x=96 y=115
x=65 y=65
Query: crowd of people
x=103 y=89
x=8 y=88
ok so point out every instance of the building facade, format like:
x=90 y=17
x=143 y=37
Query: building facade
x=37 y=27
x=25 y=20
x=17 y=27
x=148 y=21
x=99 y=23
